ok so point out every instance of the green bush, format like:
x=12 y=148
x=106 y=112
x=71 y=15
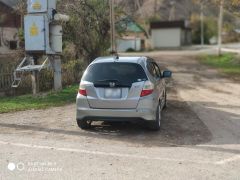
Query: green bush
x=210 y=29
x=72 y=71
x=130 y=50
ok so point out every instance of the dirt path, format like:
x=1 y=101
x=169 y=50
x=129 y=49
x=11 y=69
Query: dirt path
x=214 y=98
x=200 y=138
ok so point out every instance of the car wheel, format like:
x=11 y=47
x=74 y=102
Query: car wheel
x=156 y=125
x=84 y=124
x=165 y=101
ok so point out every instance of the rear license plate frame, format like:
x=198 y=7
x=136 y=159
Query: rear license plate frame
x=113 y=93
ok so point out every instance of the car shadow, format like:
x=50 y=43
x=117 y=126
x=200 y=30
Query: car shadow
x=180 y=126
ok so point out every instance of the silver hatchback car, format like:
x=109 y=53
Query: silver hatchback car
x=122 y=89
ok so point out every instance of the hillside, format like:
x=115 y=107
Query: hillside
x=183 y=9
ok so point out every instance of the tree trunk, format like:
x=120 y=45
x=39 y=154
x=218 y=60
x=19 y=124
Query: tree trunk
x=220 y=24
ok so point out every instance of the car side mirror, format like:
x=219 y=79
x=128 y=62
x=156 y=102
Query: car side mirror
x=167 y=74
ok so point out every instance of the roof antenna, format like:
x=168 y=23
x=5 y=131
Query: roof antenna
x=115 y=54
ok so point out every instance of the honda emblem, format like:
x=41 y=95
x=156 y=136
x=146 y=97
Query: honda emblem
x=112 y=84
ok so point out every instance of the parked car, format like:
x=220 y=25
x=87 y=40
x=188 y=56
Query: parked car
x=122 y=89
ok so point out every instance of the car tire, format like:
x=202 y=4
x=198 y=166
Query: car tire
x=156 y=124
x=84 y=124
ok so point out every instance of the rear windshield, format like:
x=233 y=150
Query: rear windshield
x=123 y=73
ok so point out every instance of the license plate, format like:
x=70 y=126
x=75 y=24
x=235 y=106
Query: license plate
x=113 y=93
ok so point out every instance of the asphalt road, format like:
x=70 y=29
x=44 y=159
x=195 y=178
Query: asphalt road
x=200 y=136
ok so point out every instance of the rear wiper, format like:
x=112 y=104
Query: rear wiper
x=105 y=82
x=108 y=80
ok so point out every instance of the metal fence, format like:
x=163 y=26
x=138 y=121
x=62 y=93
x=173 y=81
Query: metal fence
x=8 y=63
x=6 y=76
x=71 y=73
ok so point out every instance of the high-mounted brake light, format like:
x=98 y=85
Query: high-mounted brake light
x=147 y=89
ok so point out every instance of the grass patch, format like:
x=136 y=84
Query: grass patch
x=228 y=63
x=26 y=102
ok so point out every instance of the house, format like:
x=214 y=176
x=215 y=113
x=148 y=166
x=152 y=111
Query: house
x=170 y=34
x=131 y=36
x=10 y=23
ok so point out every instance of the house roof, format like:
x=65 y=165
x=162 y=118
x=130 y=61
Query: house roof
x=169 y=24
x=10 y=3
x=129 y=25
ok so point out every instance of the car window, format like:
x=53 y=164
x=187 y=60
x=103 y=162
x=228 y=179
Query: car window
x=158 y=71
x=126 y=73
x=150 y=68
x=153 y=70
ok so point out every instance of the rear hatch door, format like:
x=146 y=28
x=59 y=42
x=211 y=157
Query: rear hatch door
x=114 y=85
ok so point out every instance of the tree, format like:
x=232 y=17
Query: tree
x=21 y=9
x=210 y=29
x=202 y=3
x=220 y=19
x=88 y=28
x=222 y=4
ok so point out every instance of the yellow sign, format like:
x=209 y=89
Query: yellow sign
x=34 y=30
x=37 y=5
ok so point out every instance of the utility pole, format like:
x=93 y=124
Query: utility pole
x=112 y=26
x=35 y=77
x=172 y=15
x=155 y=7
x=202 y=25
x=57 y=68
x=220 y=25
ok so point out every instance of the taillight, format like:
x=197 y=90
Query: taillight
x=82 y=89
x=146 y=92
x=83 y=92
x=147 y=89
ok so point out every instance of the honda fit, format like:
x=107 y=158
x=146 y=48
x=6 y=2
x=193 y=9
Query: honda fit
x=122 y=89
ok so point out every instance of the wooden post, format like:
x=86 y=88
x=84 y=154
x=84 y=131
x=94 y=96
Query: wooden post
x=35 y=82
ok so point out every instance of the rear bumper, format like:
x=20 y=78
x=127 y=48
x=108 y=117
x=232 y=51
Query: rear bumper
x=115 y=114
